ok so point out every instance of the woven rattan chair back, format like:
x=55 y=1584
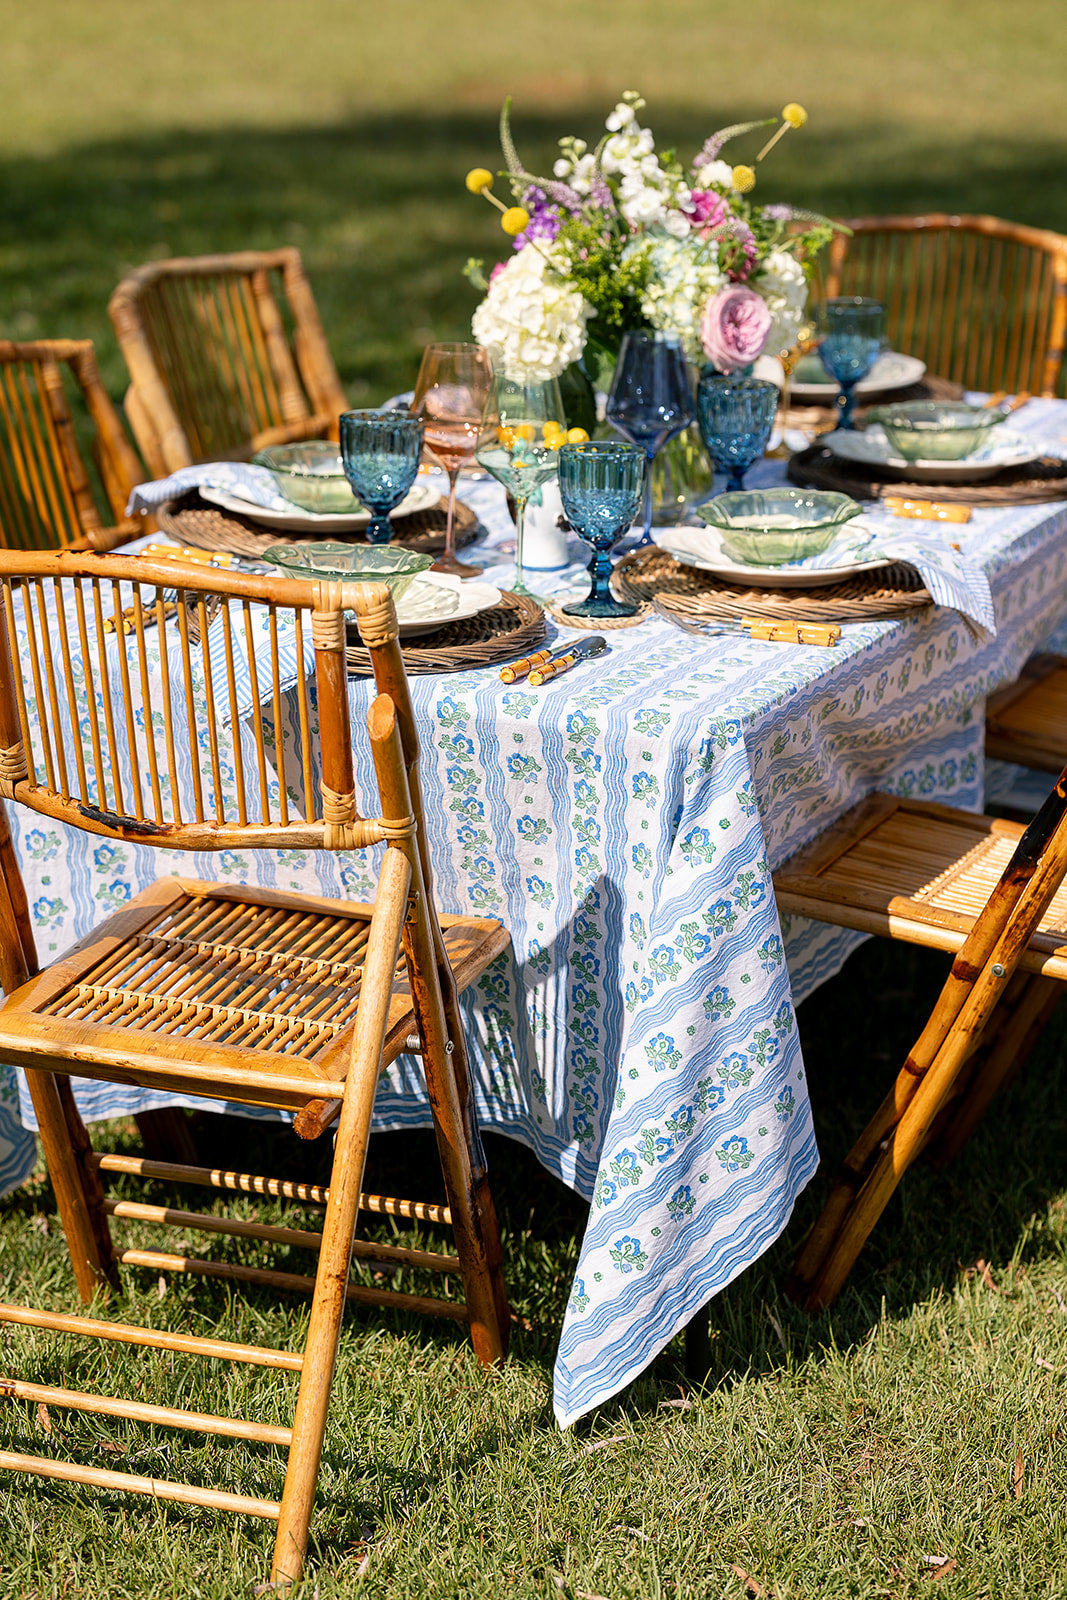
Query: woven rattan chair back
x=46 y=490
x=126 y=686
x=226 y=355
x=981 y=301
x=991 y=893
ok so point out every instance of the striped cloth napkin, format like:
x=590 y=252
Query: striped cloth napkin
x=951 y=579
x=239 y=478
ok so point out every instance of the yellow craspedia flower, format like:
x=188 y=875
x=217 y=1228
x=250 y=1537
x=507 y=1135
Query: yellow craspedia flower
x=795 y=115
x=514 y=220
x=577 y=436
x=478 y=180
x=743 y=179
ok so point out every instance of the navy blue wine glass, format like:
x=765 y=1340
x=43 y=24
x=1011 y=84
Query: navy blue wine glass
x=651 y=399
x=600 y=484
x=736 y=416
x=380 y=451
x=851 y=330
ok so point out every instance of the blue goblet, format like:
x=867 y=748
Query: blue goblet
x=600 y=485
x=651 y=399
x=851 y=329
x=736 y=416
x=380 y=451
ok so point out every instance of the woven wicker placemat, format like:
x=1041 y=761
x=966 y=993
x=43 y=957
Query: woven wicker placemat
x=1036 y=481
x=207 y=527
x=690 y=592
x=512 y=628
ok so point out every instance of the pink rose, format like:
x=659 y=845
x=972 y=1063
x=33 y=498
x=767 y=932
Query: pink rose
x=709 y=208
x=734 y=328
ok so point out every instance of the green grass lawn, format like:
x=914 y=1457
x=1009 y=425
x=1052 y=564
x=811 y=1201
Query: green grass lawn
x=347 y=130
x=871 y=1451
x=827 y=1456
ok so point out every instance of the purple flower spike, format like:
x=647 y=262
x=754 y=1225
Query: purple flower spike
x=779 y=213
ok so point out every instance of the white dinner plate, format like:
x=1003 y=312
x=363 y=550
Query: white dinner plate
x=702 y=547
x=435 y=598
x=1001 y=448
x=420 y=497
x=891 y=371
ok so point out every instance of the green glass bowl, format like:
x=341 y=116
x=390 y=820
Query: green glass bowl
x=766 y=527
x=350 y=563
x=311 y=475
x=935 y=430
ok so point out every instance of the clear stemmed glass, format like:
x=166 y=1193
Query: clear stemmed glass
x=851 y=330
x=651 y=399
x=736 y=416
x=380 y=451
x=521 y=432
x=806 y=340
x=450 y=395
x=600 y=485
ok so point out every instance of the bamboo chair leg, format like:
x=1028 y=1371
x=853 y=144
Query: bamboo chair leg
x=1005 y=1061
x=92 y=1269
x=82 y=1152
x=339 y=1224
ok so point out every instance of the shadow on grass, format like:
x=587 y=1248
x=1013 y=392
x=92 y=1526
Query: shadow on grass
x=378 y=207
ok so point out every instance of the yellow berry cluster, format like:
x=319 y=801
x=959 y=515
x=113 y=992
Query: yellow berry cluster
x=552 y=434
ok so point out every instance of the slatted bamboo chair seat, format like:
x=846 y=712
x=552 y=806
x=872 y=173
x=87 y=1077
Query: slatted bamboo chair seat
x=1026 y=722
x=251 y=995
x=917 y=871
x=980 y=300
x=990 y=892
x=226 y=355
x=46 y=492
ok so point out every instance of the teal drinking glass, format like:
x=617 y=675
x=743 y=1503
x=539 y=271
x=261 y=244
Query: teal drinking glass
x=736 y=416
x=851 y=330
x=600 y=484
x=380 y=451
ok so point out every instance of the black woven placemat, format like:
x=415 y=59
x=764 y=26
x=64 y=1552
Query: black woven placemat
x=196 y=522
x=510 y=629
x=818 y=468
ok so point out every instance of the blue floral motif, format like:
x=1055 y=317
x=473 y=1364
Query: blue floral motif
x=46 y=910
x=721 y=918
x=734 y=1071
x=735 y=1155
x=651 y=723
x=662 y=964
x=533 y=829
x=605 y=1191
x=746 y=799
x=662 y=1054
x=40 y=846
x=586 y=798
x=579 y=1300
x=626 y=1166
x=682 y=1124
x=709 y=1095
x=540 y=892
x=581 y=728
x=627 y=1254
x=770 y=953
x=785 y=1105
x=681 y=1204
x=107 y=856
x=697 y=846
x=718 y=1004
x=523 y=767
x=641 y=856
x=646 y=787
x=116 y=893
x=637 y=928
x=519 y=704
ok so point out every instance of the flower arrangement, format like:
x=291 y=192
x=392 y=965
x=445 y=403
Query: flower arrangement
x=624 y=237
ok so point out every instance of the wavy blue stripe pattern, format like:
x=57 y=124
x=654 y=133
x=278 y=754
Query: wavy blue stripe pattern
x=640 y=1035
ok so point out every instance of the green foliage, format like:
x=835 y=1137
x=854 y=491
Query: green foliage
x=613 y=286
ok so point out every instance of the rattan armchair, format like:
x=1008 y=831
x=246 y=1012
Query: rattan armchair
x=264 y=997
x=990 y=893
x=981 y=301
x=46 y=490
x=226 y=355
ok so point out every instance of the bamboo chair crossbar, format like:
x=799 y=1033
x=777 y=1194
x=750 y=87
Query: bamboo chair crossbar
x=981 y=301
x=130 y=706
x=226 y=354
x=991 y=892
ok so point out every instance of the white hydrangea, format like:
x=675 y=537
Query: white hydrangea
x=685 y=274
x=531 y=323
x=716 y=175
x=782 y=284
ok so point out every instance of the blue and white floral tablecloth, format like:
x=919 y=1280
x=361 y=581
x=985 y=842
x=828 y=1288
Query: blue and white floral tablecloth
x=623 y=821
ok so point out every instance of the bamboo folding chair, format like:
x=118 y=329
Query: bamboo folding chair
x=991 y=893
x=268 y=998
x=981 y=301
x=46 y=492
x=1026 y=722
x=226 y=355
